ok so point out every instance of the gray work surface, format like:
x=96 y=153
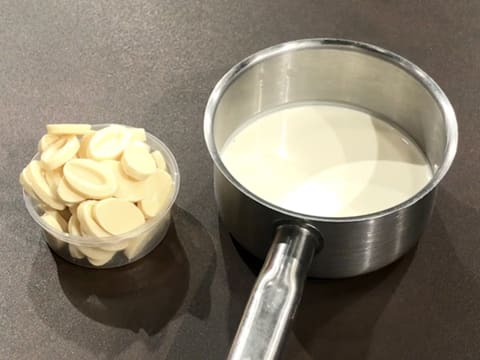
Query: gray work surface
x=153 y=64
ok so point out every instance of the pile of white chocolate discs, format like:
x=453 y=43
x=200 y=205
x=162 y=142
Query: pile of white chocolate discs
x=99 y=184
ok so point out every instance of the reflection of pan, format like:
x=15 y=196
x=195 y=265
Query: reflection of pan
x=331 y=70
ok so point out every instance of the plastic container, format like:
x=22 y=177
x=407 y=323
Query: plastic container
x=126 y=248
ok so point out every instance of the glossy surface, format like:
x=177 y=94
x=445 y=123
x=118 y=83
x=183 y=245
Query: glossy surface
x=137 y=162
x=276 y=294
x=108 y=143
x=155 y=63
x=326 y=160
x=118 y=216
x=90 y=178
x=162 y=187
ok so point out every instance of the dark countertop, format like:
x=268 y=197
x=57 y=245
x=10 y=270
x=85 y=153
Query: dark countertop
x=153 y=64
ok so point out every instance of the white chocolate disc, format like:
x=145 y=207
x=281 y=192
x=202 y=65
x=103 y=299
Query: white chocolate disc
x=54 y=147
x=60 y=152
x=74 y=226
x=55 y=220
x=122 y=245
x=96 y=253
x=90 y=178
x=74 y=229
x=141 y=144
x=108 y=143
x=159 y=160
x=84 y=141
x=117 y=216
x=68 y=129
x=67 y=194
x=160 y=187
x=102 y=259
x=46 y=141
x=36 y=179
x=136 y=245
x=88 y=224
x=25 y=182
x=138 y=134
x=127 y=188
x=75 y=252
x=137 y=162
x=53 y=178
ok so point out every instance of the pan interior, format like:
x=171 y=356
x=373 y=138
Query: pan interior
x=326 y=159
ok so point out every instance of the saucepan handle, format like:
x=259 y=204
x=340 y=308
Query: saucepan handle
x=276 y=294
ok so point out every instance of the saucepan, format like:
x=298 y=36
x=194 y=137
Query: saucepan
x=298 y=245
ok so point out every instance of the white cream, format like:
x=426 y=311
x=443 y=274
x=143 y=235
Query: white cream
x=326 y=160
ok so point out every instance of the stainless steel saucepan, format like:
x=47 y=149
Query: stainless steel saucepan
x=296 y=245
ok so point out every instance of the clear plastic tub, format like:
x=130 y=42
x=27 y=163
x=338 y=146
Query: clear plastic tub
x=124 y=249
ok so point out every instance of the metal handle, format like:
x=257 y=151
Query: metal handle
x=276 y=294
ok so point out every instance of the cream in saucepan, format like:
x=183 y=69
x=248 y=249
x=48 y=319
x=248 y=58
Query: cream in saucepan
x=326 y=160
